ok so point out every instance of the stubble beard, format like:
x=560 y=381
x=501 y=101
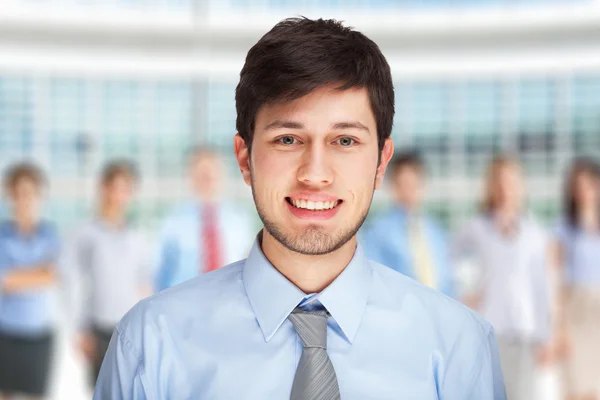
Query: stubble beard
x=313 y=241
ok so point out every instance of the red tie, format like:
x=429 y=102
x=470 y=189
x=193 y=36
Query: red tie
x=210 y=237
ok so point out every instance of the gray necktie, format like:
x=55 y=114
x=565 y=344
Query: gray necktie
x=315 y=377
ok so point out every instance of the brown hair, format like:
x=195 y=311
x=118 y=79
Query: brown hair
x=300 y=55
x=408 y=158
x=117 y=168
x=23 y=170
x=583 y=165
x=497 y=164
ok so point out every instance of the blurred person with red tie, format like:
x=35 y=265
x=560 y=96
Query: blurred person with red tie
x=197 y=237
x=29 y=248
x=107 y=264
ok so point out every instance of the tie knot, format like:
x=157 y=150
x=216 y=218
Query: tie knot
x=311 y=326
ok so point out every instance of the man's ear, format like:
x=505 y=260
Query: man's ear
x=386 y=156
x=242 y=155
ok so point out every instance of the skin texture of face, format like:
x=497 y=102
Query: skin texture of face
x=313 y=168
x=118 y=193
x=408 y=187
x=25 y=198
x=508 y=190
x=587 y=190
x=206 y=176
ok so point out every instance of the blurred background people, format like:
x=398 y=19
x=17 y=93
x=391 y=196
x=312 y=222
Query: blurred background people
x=509 y=251
x=121 y=78
x=29 y=248
x=404 y=237
x=108 y=262
x=577 y=253
x=206 y=232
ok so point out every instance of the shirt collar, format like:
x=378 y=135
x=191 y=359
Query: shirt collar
x=273 y=297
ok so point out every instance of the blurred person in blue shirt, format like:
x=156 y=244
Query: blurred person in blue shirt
x=197 y=236
x=404 y=237
x=29 y=248
x=577 y=255
x=306 y=316
x=108 y=264
x=507 y=252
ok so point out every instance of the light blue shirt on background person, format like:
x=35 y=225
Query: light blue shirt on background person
x=226 y=335
x=28 y=313
x=581 y=251
x=386 y=241
x=180 y=243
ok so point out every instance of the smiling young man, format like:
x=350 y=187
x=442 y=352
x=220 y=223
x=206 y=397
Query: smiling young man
x=306 y=316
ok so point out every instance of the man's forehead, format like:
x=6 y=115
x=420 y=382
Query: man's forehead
x=352 y=105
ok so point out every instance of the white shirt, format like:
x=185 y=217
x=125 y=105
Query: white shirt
x=511 y=275
x=107 y=268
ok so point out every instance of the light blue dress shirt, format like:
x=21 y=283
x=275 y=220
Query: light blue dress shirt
x=386 y=241
x=180 y=242
x=582 y=255
x=225 y=335
x=31 y=312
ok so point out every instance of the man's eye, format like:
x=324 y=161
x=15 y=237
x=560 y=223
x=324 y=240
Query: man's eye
x=287 y=140
x=346 y=141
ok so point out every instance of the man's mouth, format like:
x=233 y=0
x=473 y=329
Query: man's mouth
x=313 y=205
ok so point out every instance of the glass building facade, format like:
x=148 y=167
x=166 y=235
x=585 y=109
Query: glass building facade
x=73 y=125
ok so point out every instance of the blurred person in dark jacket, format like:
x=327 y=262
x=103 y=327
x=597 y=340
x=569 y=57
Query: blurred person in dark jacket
x=108 y=263
x=508 y=253
x=29 y=247
x=577 y=256
x=196 y=237
x=404 y=237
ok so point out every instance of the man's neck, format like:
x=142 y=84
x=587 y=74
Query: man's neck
x=311 y=274
x=408 y=209
x=26 y=226
x=507 y=219
x=112 y=216
x=588 y=219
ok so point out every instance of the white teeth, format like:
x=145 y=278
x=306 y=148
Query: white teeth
x=314 y=205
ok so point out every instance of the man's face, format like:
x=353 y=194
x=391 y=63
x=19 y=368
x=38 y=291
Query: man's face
x=587 y=189
x=408 y=186
x=509 y=190
x=26 y=198
x=314 y=167
x=118 y=193
x=205 y=176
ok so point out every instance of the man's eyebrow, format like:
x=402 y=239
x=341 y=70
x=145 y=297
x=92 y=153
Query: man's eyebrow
x=350 y=125
x=279 y=124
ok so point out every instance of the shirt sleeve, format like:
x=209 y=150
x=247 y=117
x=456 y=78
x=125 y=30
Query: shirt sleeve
x=446 y=271
x=147 y=261
x=167 y=259
x=75 y=267
x=473 y=371
x=122 y=374
x=543 y=289
x=54 y=244
x=487 y=382
x=3 y=267
x=464 y=260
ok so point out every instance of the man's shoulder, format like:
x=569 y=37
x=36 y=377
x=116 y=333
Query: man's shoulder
x=403 y=293
x=192 y=299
